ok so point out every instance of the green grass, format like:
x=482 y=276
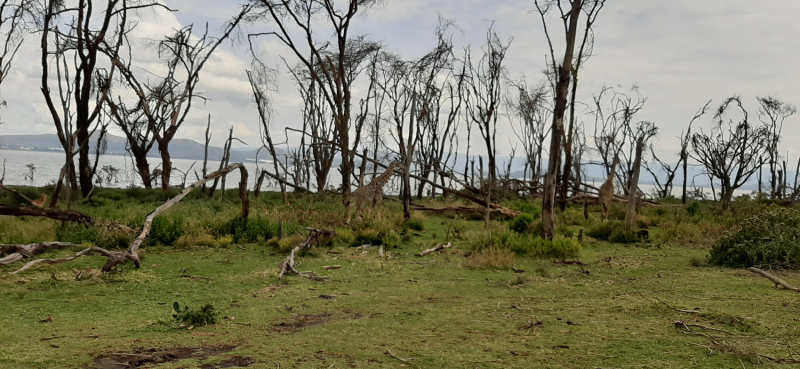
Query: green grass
x=617 y=312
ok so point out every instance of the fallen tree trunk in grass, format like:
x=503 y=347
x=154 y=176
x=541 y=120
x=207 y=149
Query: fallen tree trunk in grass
x=468 y=209
x=36 y=211
x=288 y=264
x=774 y=279
x=132 y=254
x=586 y=198
x=19 y=252
x=435 y=248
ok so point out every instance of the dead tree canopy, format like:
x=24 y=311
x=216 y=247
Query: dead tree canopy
x=731 y=151
x=334 y=62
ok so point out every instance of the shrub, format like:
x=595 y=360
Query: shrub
x=771 y=237
x=414 y=224
x=166 y=231
x=76 y=233
x=612 y=231
x=248 y=230
x=204 y=316
x=493 y=257
x=693 y=208
x=520 y=224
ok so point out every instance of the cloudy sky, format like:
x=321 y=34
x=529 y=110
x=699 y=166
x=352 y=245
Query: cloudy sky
x=680 y=53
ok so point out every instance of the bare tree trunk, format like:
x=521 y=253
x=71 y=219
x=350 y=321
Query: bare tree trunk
x=205 y=152
x=634 y=185
x=557 y=132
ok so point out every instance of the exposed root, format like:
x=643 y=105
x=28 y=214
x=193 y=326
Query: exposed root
x=774 y=279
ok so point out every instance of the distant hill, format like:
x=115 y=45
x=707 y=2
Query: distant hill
x=179 y=148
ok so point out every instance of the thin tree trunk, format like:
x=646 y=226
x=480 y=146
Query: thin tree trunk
x=557 y=131
x=634 y=185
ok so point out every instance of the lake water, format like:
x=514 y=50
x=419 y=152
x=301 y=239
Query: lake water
x=48 y=167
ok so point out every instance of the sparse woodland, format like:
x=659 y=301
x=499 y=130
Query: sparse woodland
x=571 y=242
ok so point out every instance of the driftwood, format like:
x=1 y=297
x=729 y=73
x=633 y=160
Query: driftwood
x=288 y=264
x=36 y=211
x=774 y=279
x=19 y=252
x=587 y=198
x=132 y=254
x=468 y=209
x=435 y=248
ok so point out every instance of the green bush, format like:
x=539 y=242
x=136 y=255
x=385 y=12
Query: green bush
x=526 y=207
x=771 y=237
x=520 y=224
x=693 y=208
x=204 y=316
x=249 y=229
x=76 y=233
x=414 y=224
x=166 y=231
x=612 y=231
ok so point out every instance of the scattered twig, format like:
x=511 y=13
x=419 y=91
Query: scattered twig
x=774 y=279
x=19 y=252
x=435 y=248
x=670 y=306
x=407 y=361
x=329 y=267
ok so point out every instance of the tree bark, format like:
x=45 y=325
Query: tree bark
x=630 y=218
x=562 y=92
x=36 y=211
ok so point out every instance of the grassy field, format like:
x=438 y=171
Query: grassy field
x=649 y=304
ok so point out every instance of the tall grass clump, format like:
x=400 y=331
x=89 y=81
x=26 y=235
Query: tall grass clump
x=529 y=245
x=612 y=231
x=771 y=237
x=248 y=229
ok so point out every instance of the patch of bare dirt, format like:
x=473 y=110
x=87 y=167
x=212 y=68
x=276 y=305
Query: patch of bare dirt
x=153 y=356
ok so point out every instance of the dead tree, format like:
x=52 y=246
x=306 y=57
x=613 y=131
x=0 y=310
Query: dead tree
x=12 y=33
x=333 y=68
x=564 y=74
x=592 y=10
x=77 y=44
x=483 y=94
x=529 y=113
x=685 y=140
x=166 y=102
x=139 y=137
x=643 y=132
x=612 y=131
x=663 y=190
x=731 y=152
x=772 y=113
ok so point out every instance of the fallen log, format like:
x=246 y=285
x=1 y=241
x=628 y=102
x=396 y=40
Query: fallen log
x=288 y=264
x=132 y=254
x=435 y=248
x=19 y=252
x=36 y=211
x=469 y=209
x=586 y=198
x=774 y=279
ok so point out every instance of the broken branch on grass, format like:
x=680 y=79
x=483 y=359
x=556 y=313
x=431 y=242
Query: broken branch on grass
x=288 y=265
x=774 y=279
x=435 y=248
x=114 y=258
x=19 y=252
x=670 y=306
x=407 y=361
x=132 y=254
